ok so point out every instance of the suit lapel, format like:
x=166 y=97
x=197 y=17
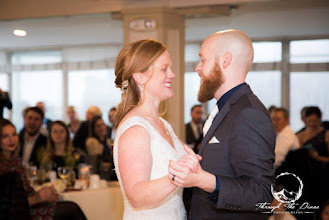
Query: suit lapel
x=218 y=119
x=222 y=114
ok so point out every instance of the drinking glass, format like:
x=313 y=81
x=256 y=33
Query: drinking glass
x=32 y=173
x=63 y=173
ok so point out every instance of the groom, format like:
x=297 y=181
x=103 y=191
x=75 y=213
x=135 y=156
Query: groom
x=236 y=170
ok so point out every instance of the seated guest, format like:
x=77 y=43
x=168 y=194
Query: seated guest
x=111 y=128
x=271 y=109
x=30 y=138
x=303 y=118
x=59 y=148
x=194 y=128
x=46 y=121
x=74 y=123
x=286 y=140
x=43 y=203
x=99 y=144
x=80 y=137
x=316 y=139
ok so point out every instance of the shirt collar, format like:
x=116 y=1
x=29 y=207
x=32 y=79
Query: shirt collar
x=28 y=139
x=221 y=102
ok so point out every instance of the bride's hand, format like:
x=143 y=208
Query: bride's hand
x=190 y=160
x=183 y=176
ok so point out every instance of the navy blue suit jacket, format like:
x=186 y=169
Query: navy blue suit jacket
x=242 y=159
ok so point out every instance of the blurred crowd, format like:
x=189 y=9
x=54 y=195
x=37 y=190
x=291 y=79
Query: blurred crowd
x=43 y=146
x=49 y=144
x=304 y=153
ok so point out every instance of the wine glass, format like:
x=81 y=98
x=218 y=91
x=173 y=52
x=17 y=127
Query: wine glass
x=63 y=173
x=32 y=172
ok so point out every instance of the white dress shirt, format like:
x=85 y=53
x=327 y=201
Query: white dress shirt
x=286 y=141
x=28 y=148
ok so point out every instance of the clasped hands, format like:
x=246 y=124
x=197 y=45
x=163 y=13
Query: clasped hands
x=187 y=170
x=47 y=194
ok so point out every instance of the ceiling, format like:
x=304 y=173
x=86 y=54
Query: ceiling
x=18 y=9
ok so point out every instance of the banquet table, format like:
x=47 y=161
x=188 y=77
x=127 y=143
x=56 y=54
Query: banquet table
x=98 y=204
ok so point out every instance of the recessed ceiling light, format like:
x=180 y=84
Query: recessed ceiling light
x=20 y=33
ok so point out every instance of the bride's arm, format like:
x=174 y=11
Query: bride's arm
x=135 y=164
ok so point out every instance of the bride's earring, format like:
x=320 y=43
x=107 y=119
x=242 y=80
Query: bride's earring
x=142 y=86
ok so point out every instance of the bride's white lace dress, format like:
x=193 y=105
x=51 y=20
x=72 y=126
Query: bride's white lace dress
x=172 y=207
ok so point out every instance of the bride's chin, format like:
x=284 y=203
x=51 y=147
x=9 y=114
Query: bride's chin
x=171 y=95
x=167 y=97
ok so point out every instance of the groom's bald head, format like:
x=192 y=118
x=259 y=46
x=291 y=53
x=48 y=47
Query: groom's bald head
x=235 y=44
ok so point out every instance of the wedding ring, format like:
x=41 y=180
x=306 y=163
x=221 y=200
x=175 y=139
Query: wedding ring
x=173 y=178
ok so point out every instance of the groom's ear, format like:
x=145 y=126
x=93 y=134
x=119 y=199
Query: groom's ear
x=227 y=59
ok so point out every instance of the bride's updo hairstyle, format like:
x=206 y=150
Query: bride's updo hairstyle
x=136 y=57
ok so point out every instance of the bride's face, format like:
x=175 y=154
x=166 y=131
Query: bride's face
x=159 y=86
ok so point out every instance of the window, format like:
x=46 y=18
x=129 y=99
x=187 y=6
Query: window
x=191 y=79
x=192 y=52
x=308 y=88
x=266 y=85
x=93 y=87
x=36 y=57
x=31 y=87
x=87 y=54
x=309 y=51
x=265 y=80
x=40 y=76
x=4 y=82
x=267 y=52
x=191 y=89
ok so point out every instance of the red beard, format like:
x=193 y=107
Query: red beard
x=210 y=84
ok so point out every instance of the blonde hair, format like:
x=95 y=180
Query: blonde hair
x=136 y=57
x=95 y=110
x=71 y=108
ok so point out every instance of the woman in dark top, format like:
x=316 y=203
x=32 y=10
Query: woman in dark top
x=98 y=144
x=43 y=203
x=59 y=148
x=316 y=139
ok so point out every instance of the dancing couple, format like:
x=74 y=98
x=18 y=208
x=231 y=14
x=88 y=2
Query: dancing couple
x=234 y=168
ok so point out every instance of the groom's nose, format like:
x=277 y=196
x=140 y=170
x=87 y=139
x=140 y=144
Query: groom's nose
x=198 y=67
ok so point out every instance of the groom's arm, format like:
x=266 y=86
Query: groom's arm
x=251 y=157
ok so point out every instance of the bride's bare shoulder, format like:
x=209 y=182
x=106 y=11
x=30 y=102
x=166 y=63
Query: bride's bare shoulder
x=127 y=116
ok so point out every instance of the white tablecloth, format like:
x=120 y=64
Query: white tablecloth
x=99 y=204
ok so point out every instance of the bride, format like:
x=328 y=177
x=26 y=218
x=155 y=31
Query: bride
x=145 y=142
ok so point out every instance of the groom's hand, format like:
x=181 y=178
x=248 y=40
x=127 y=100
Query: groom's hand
x=191 y=152
x=182 y=175
x=190 y=160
